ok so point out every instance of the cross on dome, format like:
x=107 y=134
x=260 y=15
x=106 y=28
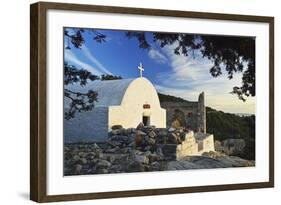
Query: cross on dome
x=141 y=69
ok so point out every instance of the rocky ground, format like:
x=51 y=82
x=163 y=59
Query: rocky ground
x=139 y=150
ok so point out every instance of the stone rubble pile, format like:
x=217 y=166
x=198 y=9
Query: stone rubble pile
x=140 y=149
x=127 y=150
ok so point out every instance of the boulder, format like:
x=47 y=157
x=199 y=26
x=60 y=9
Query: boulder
x=78 y=168
x=218 y=146
x=233 y=146
x=141 y=133
x=173 y=138
x=142 y=159
x=171 y=129
x=117 y=131
x=140 y=126
x=152 y=134
x=116 y=127
x=181 y=165
x=103 y=164
x=155 y=166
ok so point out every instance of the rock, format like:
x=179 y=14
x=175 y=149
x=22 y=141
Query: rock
x=182 y=136
x=155 y=166
x=96 y=147
x=162 y=132
x=139 y=137
x=140 y=126
x=233 y=146
x=159 y=151
x=218 y=146
x=116 y=127
x=81 y=154
x=173 y=138
x=151 y=141
x=171 y=129
x=78 y=168
x=115 y=143
x=153 y=157
x=102 y=171
x=103 y=164
x=125 y=150
x=147 y=148
x=138 y=140
x=233 y=161
x=152 y=134
x=66 y=149
x=132 y=145
x=131 y=130
x=136 y=167
x=142 y=159
x=141 y=133
x=131 y=138
x=116 y=168
x=113 y=150
x=76 y=158
x=181 y=165
x=117 y=131
x=84 y=161
x=212 y=154
x=169 y=151
x=120 y=138
x=207 y=162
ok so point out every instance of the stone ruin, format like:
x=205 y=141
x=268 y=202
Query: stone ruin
x=189 y=114
x=144 y=148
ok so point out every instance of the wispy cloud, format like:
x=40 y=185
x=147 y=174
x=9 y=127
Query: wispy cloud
x=189 y=76
x=87 y=53
x=191 y=67
x=225 y=102
x=157 y=56
x=72 y=58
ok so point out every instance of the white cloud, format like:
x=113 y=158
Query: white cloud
x=225 y=102
x=71 y=57
x=187 y=67
x=157 y=56
x=87 y=53
x=189 y=76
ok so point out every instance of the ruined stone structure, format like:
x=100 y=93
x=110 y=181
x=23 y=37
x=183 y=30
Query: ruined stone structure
x=194 y=144
x=187 y=114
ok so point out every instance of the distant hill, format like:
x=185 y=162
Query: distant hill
x=170 y=98
x=226 y=125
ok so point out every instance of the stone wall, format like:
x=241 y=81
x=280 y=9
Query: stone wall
x=191 y=145
x=205 y=142
x=192 y=115
x=188 y=147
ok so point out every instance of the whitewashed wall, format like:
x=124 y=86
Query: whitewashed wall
x=130 y=113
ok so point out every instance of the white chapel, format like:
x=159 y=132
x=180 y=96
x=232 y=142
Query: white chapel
x=125 y=102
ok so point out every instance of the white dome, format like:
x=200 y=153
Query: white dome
x=112 y=92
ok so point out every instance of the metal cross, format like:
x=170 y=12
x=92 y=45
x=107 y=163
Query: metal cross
x=141 y=69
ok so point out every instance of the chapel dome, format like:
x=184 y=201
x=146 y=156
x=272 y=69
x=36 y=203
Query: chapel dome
x=113 y=92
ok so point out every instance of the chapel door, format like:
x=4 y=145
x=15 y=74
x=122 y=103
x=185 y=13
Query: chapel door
x=146 y=120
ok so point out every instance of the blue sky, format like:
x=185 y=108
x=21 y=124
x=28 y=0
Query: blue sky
x=171 y=74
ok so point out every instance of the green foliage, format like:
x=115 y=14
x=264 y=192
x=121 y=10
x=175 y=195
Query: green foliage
x=226 y=125
x=169 y=98
x=110 y=77
x=230 y=53
x=78 y=101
